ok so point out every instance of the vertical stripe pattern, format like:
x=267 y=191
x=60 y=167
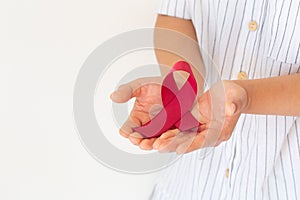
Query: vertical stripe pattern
x=263 y=154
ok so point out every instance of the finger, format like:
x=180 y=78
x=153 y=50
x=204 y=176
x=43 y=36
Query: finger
x=132 y=89
x=202 y=127
x=204 y=139
x=214 y=130
x=135 y=138
x=192 y=144
x=127 y=127
x=218 y=143
x=146 y=144
x=229 y=126
x=169 y=145
x=124 y=93
x=164 y=137
x=172 y=143
x=230 y=109
x=170 y=133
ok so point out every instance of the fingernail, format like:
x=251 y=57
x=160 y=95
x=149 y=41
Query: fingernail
x=163 y=136
x=233 y=108
x=164 y=150
x=111 y=95
x=136 y=135
x=179 y=152
x=156 y=145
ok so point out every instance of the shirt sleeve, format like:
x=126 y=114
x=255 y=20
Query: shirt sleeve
x=174 y=8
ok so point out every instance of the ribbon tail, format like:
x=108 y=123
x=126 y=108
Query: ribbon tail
x=187 y=122
x=155 y=127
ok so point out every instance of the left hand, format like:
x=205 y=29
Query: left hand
x=147 y=94
x=218 y=110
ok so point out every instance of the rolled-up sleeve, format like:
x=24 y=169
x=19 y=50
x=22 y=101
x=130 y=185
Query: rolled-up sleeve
x=174 y=8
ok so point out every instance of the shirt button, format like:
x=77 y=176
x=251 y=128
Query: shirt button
x=253 y=26
x=242 y=76
x=227 y=173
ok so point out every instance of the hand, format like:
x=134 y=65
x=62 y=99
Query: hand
x=218 y=110
x=147 y=104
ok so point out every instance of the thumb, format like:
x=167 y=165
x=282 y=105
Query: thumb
x=230 y=109
x=132 y=89
x=123 y=94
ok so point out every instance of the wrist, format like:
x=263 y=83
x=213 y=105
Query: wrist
x=244 y=91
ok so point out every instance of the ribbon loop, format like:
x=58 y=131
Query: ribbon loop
x=177 y=104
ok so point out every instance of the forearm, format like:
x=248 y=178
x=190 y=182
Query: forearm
x=273 y=96
x=178 y=42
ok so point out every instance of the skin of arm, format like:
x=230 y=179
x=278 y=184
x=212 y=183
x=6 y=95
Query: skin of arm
x=273 y=96
x=167 y=59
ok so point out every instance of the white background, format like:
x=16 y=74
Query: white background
x=43 y=44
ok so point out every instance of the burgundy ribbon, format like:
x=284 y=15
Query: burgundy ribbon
x=177 y=104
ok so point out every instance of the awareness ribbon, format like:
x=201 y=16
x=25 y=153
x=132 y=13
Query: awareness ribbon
x=176 y=105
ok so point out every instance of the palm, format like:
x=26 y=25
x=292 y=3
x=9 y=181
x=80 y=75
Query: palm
x=147 y=103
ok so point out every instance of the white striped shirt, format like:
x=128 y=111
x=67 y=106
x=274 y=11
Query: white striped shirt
x=263 y=154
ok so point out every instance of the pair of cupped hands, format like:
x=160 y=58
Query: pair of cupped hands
x=217 y=110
